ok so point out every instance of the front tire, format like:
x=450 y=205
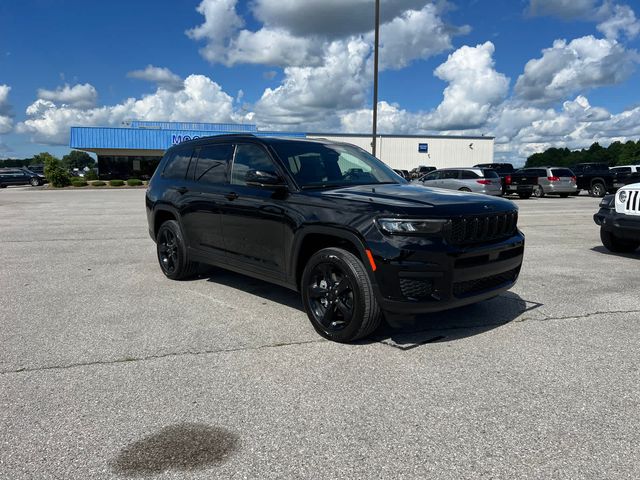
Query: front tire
x=617 y=245
x=172 y=252
x=34 y=182
x=338 y=296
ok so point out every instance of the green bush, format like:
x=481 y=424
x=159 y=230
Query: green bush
x=91 y=175
x=134 y=182
x=98 y=183
x=79 y=183
x=116 y=183
x=54 y=172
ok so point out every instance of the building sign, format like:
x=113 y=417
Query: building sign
x=178 y=138
x=423 y=147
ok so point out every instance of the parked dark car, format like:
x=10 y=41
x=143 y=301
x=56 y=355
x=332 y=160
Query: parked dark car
x=625 y=175
x=18 y=176
x=513 y=181
x=594 y=178
x=333 y=222
x=420 y=171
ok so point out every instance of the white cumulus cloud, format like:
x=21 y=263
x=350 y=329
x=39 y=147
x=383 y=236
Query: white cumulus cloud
x=163 y=77
x=6 y=117
x=77 y=96
x=566 y=9
x=576 y=66
x=618 y=20
x=201 y=100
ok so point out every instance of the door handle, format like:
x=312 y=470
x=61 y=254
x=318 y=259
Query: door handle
x=231 y=196
x=182 y=190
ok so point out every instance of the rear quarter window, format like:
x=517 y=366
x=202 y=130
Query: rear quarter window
x=470 y=175
x=488 y=173
x=561 y=172
x=177 y=164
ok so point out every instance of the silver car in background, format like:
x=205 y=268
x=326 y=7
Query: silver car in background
x=552 y=181
x=478 y=180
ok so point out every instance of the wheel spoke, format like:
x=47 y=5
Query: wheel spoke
x=325 y=271
x=342 y=286
x=344 y=309
x=328 y=315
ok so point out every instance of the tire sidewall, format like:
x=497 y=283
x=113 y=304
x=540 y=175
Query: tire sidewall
x=335 y=257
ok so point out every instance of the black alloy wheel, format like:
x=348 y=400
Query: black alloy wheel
x=172 y=252
x=331 y=296
x=338 y=296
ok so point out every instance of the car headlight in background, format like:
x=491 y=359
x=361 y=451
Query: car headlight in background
x=411 y=226
x=622 y=196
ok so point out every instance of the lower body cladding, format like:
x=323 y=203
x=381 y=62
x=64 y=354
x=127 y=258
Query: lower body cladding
x=431 y=280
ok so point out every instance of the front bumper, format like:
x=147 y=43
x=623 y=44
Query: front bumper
x=626 y=227
x=431 y=279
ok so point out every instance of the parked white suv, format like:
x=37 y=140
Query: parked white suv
x=619 y=219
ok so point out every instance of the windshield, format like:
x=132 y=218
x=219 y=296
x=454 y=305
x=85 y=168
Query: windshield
x=319 y=165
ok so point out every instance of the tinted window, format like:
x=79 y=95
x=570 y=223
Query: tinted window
x=178 y=164
x=448 y=174
x=431 y=176
x=490 y=174
x=561 y=172
x=469 y=174
x=249 y=157
x=621 y=170
x=211 y=166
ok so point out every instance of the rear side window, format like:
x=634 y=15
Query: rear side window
x=490 y=174
x=178 y=164
x=469 y=174
x=211 y=167
x=621 y=170
x=447 y=174
x=249 y=157
x=561 y=172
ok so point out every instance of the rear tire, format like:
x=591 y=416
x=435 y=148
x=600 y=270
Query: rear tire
x=617 y=245
x=538 y=191
x=338 y=296
x=597 y=190
x=172 y=252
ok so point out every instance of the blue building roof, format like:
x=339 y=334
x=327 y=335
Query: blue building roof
x=157 y=135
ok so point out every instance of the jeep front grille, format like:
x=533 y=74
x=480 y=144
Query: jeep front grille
x=482 y=228
x=633 y=202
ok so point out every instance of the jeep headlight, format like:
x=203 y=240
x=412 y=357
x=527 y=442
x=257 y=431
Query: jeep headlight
x=411 y=226
x=622 y=196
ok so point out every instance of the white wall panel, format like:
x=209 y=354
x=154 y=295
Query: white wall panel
x=402 y=152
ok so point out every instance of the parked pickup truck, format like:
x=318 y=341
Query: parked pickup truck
x=625 y=175
x=594 y=178
x=512 y=181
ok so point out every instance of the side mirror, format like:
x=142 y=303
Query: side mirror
x=263 y=179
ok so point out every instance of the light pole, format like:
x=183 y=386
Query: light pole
x=375 y=79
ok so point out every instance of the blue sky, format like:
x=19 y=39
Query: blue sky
x=493 y=67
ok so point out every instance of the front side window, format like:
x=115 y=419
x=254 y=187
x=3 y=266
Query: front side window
x=431 y=176
x=211 y=167
x=249 y=157
x=320 y=165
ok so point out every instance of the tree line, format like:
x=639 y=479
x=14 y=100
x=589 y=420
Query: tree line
x=74 y=159
x=617 y=153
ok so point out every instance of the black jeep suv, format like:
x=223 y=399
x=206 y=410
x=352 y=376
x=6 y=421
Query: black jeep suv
x=333 y=222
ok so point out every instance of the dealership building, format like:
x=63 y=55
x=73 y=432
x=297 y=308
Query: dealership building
x=134 y=149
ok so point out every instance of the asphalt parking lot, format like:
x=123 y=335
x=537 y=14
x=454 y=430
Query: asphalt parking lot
x=109 y=370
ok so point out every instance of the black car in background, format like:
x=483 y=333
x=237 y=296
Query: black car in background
x=19 y=176
x=595 y=178
x=332 y=222
x=513 y=181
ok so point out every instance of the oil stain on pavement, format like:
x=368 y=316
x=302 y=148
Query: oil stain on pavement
x=183 y=447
